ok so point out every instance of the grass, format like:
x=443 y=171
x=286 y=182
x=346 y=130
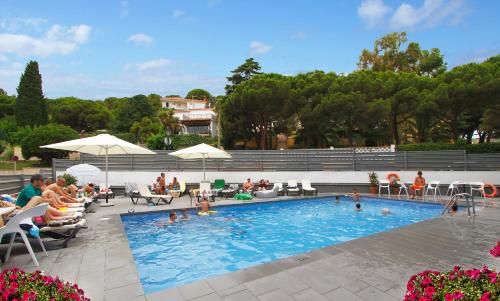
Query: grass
x=9 y=165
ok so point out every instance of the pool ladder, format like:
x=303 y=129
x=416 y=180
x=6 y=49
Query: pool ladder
x=469 y=199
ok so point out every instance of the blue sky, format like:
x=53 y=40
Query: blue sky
x=95 y=49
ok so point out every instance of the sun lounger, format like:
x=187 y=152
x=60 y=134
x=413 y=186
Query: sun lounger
x=292 y=187
x=307 y=188
x=103 y=190
x=63 y=233
x=13 y=227
x=230 y=191
x=144 y=193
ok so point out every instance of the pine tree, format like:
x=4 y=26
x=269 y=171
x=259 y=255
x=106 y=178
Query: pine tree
x=31 y=108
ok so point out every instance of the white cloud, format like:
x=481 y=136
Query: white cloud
x=406 y=16
x=123 y=9
x=149 y=65
x=259 y=48
x=177 y=13
x=57 y=40
x=17 y=24
x=373 y=11
x=140 y=39
x=299 y=35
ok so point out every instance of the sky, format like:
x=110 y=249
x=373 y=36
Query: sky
x=94 y=49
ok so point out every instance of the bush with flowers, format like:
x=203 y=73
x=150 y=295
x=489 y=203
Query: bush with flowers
x=17 y=285
x=458 y=284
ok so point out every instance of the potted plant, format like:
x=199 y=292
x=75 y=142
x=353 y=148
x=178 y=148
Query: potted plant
x=394 y=186
x=373 y=177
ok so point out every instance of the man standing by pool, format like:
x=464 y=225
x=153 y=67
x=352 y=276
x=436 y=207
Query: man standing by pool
x=418 y=184
x=163 y=182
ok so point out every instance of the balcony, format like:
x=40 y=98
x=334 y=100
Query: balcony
x=196 y=117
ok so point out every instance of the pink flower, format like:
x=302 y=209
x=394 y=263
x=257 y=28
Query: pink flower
x=456 y=268
x=448 y=297
x=485 y=297
x=475 y=274
x=429 y=291
x=457 y=295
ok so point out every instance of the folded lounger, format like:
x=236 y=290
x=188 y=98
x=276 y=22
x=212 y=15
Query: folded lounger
x=144 y=193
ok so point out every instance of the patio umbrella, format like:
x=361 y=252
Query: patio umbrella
x=201 y=151
x=101 y=145
x=83 y=170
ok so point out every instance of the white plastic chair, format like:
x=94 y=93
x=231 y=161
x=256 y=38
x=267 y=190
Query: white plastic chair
x=306 y=187
x=13 y=227
x=292 y=187
x=384 y=184
x=477 y=186
x=402 y=187
x=453 y=187
x=433 y=186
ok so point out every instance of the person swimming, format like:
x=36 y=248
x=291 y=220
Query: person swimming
x=385 y=211
x=185 y=215
x=172 y=217
x=337 y=199
x=355 y=195
x=358 y=207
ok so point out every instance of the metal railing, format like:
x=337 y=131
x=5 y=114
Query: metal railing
x=301 y=160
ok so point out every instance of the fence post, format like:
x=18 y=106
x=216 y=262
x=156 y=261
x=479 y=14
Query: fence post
x=132 y=162
x=178 y=167
x=81 y=157
x=465 y=160
x=218 y=161
x=406 y=161
x=262 y=160
x=54 y=160
x=354 y=159
x=307 y=160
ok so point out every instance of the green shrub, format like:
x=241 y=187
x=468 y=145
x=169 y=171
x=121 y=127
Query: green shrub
x=129 y=137
x=47 y=134
x=493 y=147
x=70 y=179
x=178 y=141
x=2 y=148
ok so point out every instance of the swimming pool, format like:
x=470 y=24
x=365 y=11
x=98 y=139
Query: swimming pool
x=237 y=237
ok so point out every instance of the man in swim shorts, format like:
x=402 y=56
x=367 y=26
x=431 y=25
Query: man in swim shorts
x=418 y=184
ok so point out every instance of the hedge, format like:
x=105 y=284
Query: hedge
x=493 y=147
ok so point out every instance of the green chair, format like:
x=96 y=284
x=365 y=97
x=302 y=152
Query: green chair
x=219 y=185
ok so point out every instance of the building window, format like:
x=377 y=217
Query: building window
x=198 y=129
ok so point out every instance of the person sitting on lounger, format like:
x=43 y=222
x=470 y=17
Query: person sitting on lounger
x=418 y=184
x=59 y=188
x=156 y=185
x=263 y=184
x=248 y=186
x=358 y=207
x=31 y=196
x=175 y=185
x=89 y=190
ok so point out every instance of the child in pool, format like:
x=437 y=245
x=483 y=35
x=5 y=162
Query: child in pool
x=355 y=195
x=358 y=207
x=337 y=199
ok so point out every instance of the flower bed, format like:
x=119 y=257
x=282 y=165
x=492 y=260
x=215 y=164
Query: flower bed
x=17 y=285
x=458 y=284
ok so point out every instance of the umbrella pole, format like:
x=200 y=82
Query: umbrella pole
x=106 y=158
x=203 y=167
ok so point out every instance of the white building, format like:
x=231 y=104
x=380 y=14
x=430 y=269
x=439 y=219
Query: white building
x=195 y=116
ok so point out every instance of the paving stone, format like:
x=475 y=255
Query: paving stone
x=373 y=294
x=277 y=295
x=244 y=295
x=195 y=290
x=172 y=294
x=342 y=294
x=210 y=297
x=232 y=290
x=220 y=283
x=124 y=292
x=309 y=295
x=122 y=276
x=283 y=281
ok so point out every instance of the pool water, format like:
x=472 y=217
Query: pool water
x=238 y=237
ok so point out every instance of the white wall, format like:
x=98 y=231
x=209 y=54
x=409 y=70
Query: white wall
x=117 y=178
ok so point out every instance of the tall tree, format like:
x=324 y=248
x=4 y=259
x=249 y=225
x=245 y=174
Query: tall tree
x=31 y=108
x=199 y=94
x=242 y=73
x=132 y=110
x=388 y=55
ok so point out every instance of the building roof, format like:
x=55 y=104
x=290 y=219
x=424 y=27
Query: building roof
x=180 y=99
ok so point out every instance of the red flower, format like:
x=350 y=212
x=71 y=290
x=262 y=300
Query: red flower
x=429 y=291
x=485 y=297
x=448 y=297
x=426 y=281
x=458 y=295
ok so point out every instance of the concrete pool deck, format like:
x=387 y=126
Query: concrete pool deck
x=376 y=267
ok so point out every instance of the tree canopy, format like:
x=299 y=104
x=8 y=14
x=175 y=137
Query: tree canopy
x=31 y=108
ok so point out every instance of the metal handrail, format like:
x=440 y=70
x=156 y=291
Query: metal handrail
x=454 y=199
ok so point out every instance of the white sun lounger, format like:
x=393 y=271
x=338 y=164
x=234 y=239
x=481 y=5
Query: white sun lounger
x=306 y=187
x=144 y=193
x=292 y=187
